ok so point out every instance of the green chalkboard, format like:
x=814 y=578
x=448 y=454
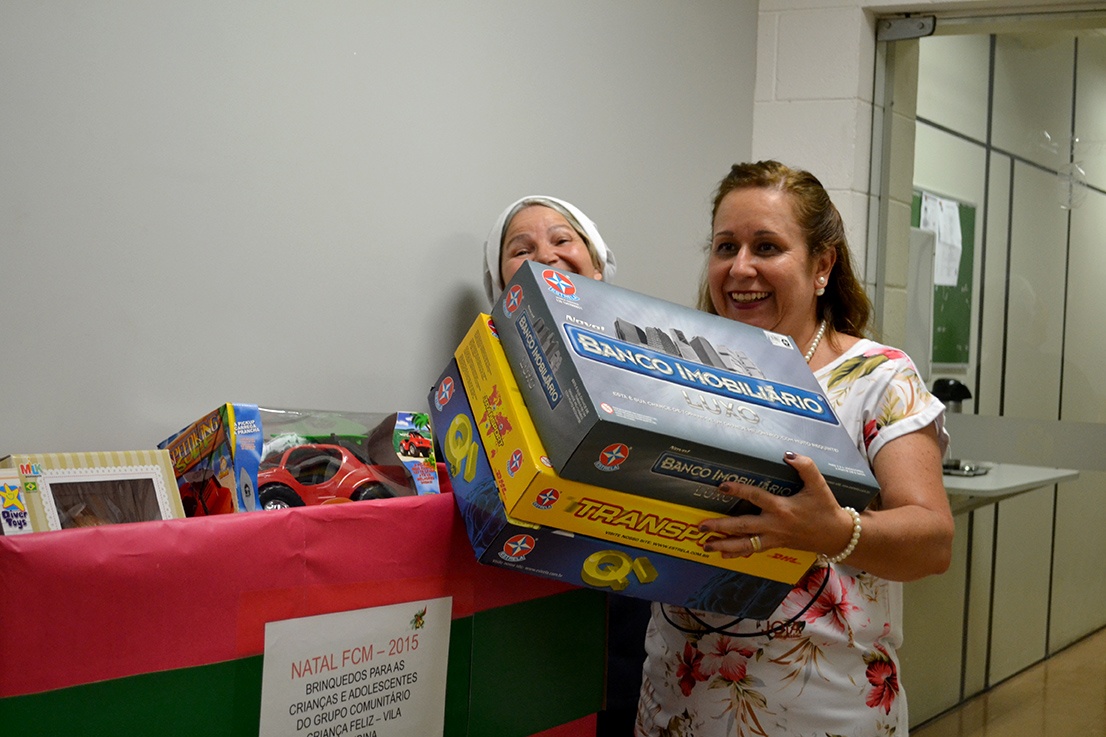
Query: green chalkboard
x=952 y=305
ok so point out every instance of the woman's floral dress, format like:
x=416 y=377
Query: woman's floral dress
x=834 y=671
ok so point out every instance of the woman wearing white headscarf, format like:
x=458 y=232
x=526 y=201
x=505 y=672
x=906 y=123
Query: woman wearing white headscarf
x=558 y=234
x=545 y=229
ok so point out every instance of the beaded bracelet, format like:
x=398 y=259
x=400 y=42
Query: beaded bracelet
x=825 y=559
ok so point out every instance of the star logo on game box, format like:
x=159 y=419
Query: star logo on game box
x=10 y=498
x=513 y=299
x=491 y=327
x=517 y=548
x=547 y=499
x=445 y=392
x=514 y=463
x=613 y=456
x=559 y=283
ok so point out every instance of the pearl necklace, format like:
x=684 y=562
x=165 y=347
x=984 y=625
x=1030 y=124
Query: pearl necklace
x=817 y=339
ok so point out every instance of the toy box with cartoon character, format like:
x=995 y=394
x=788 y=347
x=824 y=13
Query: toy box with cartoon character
x=652 y=398
x=216 y=460
x=533 y=492
x=603 y=564
x=327 y=457
x=59 y=491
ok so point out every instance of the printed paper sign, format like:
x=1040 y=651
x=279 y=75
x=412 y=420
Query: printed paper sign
x=378 y=672
x=942 y=216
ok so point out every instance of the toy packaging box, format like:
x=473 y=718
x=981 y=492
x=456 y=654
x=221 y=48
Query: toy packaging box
x=656 y=399
x=243 y=458
x=534 y=493
x=324 y=456
x=577 y=559
x=58 y=491
x=216 y=461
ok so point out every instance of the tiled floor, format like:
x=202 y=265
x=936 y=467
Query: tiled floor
x=1065 y=696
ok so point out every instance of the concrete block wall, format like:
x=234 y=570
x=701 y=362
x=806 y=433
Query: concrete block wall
x=813 y=100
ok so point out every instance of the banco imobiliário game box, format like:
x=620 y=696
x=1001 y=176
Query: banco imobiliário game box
x=652 y=398
x=577 y=559
x=532 y=492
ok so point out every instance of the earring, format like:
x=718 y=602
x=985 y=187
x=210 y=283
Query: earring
x=821 y=290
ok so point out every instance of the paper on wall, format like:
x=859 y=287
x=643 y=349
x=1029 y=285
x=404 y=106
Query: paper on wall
x=942 y=216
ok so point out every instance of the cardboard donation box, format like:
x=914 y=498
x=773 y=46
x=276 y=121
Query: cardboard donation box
x=215 y=460
x=145 y=629
x=594 y=562
x=58 y=491
x=658 y=400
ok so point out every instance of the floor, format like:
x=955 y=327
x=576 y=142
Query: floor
x=1064 y=696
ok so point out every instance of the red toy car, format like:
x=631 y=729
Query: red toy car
x=322 y=474
x=415 y=444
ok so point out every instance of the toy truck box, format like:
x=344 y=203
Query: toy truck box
x=331 y=456
x=534 y=493
x=652 y=398
x=216 y=460
x=577 y=559
x=60 y=491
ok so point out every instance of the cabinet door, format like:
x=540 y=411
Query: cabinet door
x=933 y=624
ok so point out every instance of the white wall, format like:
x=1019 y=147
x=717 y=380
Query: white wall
x=285 y=203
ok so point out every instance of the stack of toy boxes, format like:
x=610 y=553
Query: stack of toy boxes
x=56 y=491
x=492 y=452
x=635 y=410
x=666 y=402
x=215 y=460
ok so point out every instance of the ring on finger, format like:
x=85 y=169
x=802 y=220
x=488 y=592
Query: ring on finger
x=754 y=540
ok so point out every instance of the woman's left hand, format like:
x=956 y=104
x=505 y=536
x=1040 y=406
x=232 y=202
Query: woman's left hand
x=801 y=521
x=906 y=534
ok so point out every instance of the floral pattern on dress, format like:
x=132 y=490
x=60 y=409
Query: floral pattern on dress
x=884 y=676
x=828 y=669
x=906 y=393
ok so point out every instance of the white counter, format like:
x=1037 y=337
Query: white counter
x=1002 y=481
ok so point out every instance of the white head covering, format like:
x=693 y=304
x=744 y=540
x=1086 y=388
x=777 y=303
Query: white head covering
x=577 y=219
